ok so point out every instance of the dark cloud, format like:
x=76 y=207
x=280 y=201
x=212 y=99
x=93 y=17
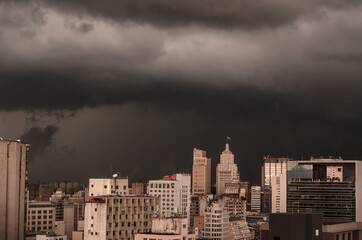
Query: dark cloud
x=39 y=139
x=229 y=13
x=80 y=28
x=140 y=95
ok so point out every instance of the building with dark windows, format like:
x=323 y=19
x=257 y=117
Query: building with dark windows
x=331 y=187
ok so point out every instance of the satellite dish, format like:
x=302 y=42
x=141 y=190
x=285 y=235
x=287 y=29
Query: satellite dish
x=115 y=175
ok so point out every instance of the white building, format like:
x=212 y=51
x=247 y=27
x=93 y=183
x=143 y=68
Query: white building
x=226 y=170
x=272 y=167
x=51 y=237
x=41 y=217
x=13 y=178
x=201 y=173
x=108 y=186
x=168 y=229
x=255 y=193
x=114 y=217
x=335 y=172
x=279 y=193
x=175 y=194
x=216 y=222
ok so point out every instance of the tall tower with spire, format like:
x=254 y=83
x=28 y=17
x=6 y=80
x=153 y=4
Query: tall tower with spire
x=226 y=170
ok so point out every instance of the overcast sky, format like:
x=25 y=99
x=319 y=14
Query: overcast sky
x=135 y=85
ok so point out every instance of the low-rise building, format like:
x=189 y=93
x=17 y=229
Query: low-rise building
x=168 y=229
x=108 y=186
x=40 y=217
x=50 y=237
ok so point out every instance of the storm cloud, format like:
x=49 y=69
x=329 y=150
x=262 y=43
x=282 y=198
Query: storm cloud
x=280 y=78
x=214 y=13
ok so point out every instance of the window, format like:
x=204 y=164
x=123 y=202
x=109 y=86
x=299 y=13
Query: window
x=105 y=186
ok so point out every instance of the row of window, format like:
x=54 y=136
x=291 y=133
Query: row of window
x=40 y=211
x=40 y=217
x=39 y=222
x=162 y=185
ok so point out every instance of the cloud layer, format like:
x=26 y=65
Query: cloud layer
x=257 y=63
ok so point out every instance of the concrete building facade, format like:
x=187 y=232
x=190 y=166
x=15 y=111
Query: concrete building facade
x=13 y=181
x=201 y=173
x=216 y=222
x=255 y=198
x=108 y=186
x=116 y=217
x=175 y=194
x=226 y=170
x=139 y=188
x=239 y=230
x=168 y=229
x=279 y=193
x=40 y=217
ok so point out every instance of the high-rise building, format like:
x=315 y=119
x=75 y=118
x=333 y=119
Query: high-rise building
x=13 y=181
x=175 y=194
x=226 y=170
x=272 y=167
x=330 y=187
x=255 y=198
x=279 y=193
x=114 y=217
x=216 y=222
x=201 y=173
x=108 y=186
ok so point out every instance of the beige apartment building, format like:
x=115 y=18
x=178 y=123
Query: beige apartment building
x=13 y=179
x=201 y=173
x=41 y=217
x=119 y=217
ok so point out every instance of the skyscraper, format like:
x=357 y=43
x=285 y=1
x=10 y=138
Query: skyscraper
x=13 y=180
x=272 y=167
x=226 y=170
x=201 y=173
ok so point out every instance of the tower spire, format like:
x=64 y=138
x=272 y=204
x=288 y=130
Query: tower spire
x=227 y=143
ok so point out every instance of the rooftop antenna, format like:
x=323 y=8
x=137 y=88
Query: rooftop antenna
x=177 y=170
